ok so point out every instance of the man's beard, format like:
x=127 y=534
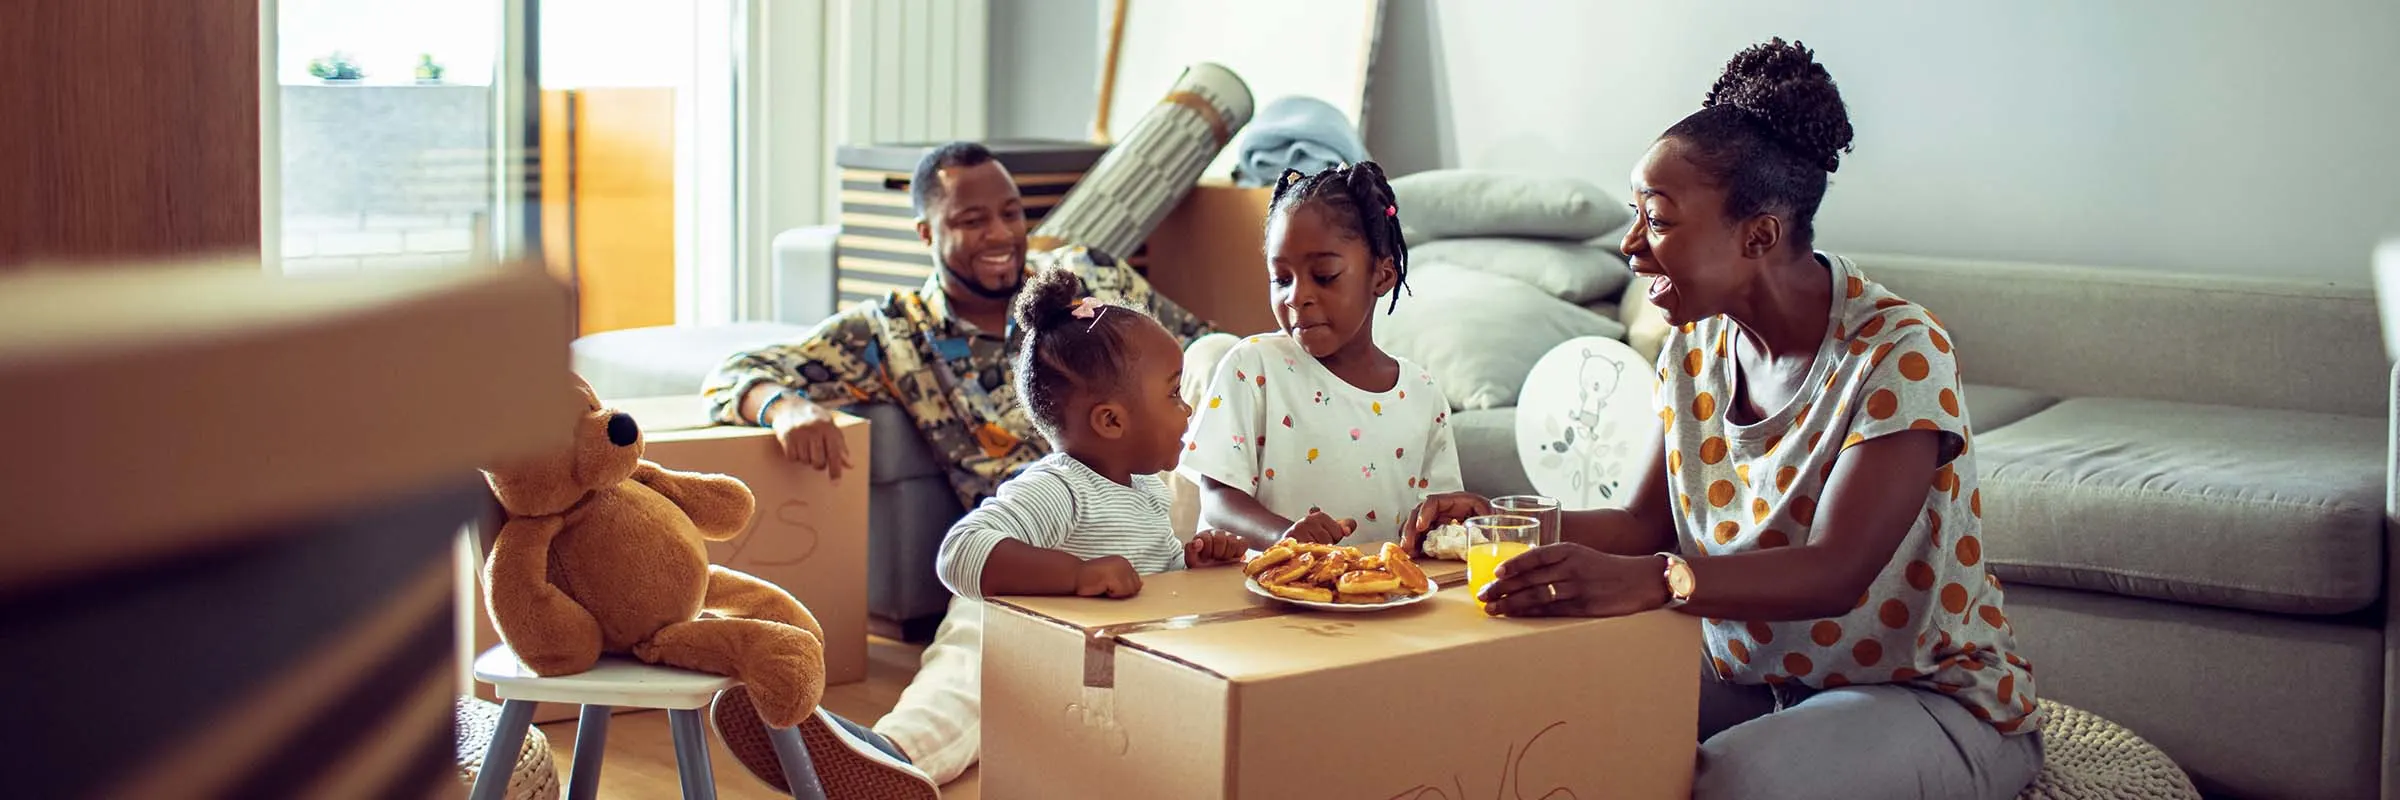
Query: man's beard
x=976 y=287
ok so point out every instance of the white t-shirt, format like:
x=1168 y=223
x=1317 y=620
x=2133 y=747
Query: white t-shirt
x=1277 y=424
x=1934 y=617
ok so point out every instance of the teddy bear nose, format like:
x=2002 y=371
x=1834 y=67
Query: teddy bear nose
x=622 y=431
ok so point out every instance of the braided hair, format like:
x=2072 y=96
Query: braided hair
x=1771 y=131
x=1064 y=356
x=1358 y=200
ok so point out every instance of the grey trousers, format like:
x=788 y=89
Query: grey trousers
x=1857 y=743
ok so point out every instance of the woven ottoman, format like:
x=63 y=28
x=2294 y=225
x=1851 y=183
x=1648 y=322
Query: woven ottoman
x=2089 y=758
x=536 y=777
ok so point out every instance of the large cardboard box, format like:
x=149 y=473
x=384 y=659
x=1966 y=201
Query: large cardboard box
x=1198 y=689
x=808 y=536
x=1209 y=256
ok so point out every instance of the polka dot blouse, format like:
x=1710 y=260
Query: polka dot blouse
x=1934 y=618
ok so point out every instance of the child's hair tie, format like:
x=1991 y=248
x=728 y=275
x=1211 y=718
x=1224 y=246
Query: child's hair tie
x=1391 y=211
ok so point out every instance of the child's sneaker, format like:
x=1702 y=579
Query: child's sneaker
x=852 y=762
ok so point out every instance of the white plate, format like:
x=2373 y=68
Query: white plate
x=1431 y=589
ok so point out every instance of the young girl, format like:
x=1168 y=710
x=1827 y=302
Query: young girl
x=1312 y=431
x=1104 y=384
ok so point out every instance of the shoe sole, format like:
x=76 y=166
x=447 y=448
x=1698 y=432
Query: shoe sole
x=847 y=769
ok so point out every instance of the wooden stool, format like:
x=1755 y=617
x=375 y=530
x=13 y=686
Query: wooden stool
x=2089 y=758
x=617 y=681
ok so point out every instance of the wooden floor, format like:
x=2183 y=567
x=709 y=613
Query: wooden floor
x=641 y=752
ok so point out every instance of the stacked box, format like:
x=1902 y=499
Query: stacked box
x=879 y=250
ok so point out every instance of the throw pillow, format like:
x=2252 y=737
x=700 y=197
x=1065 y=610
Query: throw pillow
x=1646 y=327
x=1479 y=336
x=1571 y=271
x=1453 y=203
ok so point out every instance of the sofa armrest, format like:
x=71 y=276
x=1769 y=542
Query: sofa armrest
x=803 y=282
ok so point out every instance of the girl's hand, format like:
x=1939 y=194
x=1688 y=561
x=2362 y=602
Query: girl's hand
x=1212 y=547
x=1317 y=528
x=1571 y=580
x=1437 y=510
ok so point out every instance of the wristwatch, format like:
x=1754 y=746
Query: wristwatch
x=1679 y=580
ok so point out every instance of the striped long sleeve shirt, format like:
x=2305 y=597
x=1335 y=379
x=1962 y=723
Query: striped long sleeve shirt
x=1057 y=503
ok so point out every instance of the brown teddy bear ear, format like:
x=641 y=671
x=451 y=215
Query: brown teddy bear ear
x=583 y=389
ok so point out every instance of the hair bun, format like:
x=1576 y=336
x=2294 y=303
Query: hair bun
x=1047 y=299
x=1784 y=87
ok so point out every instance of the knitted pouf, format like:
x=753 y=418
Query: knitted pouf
x=536 y=778
x=2089 y=758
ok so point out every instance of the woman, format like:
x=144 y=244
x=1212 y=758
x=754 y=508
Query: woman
x=1815 y=476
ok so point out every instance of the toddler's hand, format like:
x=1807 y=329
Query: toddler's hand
x=1318 y=528
x=1213 y=547
x=1107 y=576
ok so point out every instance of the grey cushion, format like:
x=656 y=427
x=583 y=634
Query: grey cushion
x=1990 y=407
x=2236 y=507
x=1571 y=271
x=1479 y=335
x=670 y=359
x=1450 y=203
x=1487 y=452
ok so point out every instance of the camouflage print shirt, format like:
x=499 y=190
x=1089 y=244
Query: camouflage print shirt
x=953 y=379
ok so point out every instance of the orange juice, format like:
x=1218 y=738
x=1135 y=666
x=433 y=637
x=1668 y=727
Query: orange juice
x=1483 y=563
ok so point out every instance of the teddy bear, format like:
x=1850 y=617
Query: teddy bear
x=602 y=551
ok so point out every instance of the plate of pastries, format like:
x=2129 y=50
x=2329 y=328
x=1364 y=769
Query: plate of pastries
x=1337 y=577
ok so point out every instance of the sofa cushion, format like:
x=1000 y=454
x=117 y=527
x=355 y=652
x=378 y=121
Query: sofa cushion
x=1487 y=452
x=1990 y=407
x=1479 y=336
x=2243 y=508
x=1450 y=203
x=1570 y=271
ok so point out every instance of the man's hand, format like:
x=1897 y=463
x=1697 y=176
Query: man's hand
x=1107 y=576
x=808 y=435
x=1317 y=528
x=1213 y=547
x=1438 y=510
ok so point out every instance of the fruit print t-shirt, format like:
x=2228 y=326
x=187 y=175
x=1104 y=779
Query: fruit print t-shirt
x=1277 y=424
x=1933 y=618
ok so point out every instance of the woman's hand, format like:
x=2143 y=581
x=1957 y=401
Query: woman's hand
x=1437 y=510
x=1210 y=548
x=1571 y=580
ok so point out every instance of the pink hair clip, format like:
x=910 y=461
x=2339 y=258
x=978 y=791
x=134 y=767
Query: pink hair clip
x=1090 y=308
x=1391 y=211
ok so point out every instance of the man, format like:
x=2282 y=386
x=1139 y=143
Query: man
x=941 y=353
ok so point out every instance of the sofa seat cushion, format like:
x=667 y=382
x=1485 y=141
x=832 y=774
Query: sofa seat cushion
x=1991 y=407
x=2245 y=508
x=668 y=359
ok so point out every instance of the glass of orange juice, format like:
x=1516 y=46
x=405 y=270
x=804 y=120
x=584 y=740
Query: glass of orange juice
x=1495 y=539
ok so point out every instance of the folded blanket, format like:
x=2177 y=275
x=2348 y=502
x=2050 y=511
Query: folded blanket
x=1302 y=133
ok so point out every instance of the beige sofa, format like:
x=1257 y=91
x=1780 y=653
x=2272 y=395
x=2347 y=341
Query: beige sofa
x=2186 y=493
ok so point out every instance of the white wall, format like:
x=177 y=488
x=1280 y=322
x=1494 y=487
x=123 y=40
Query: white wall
x=1045 y=61
x=2227 y=136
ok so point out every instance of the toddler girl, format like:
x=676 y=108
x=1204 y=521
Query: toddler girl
x=1104 y=384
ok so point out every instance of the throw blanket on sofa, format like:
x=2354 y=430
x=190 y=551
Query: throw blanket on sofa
x=1302 y=133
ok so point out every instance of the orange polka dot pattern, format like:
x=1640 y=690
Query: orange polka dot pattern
x=1935 y=617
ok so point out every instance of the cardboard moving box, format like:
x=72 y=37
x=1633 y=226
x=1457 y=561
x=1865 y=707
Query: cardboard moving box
x=809 y=534
x=1198 y=689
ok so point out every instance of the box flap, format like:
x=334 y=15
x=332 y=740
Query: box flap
x=1165 y=595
